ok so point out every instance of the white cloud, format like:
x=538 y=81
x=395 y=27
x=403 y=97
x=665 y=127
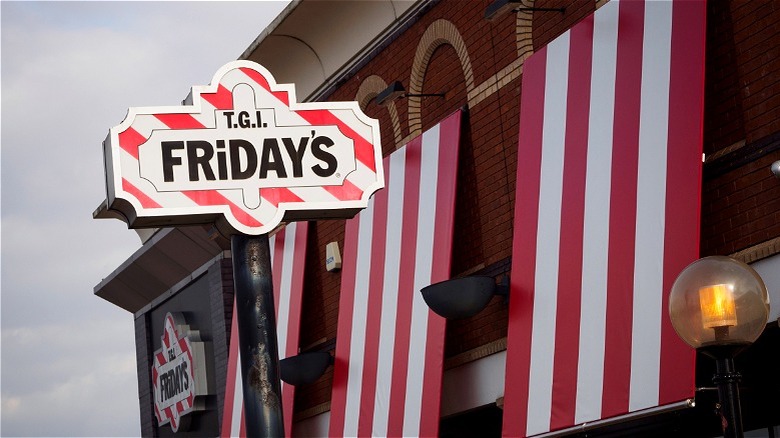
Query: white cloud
x=69 y=72
x=56 y=374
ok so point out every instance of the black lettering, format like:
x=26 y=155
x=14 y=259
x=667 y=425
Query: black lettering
x=259 y=119
x=243 y=119
x=194 y=159
x=270 y=146
x=166 y=386
x=229 y=117
x=296 y=154
x=235 y=147
x=221 y=160
x=185 y=376
x=176 y=380
x=324 y=156
x=168 y=160
x=161 y=385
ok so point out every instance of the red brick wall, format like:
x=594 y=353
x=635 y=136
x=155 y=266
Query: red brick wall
x=740 y=206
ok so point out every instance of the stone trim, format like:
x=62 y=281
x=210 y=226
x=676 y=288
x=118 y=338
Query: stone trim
x=494 y=347
x=312 y=412
x=725 y=151
x=524 y=35
x=440 y=32
x=496 y=82
x=758 y=252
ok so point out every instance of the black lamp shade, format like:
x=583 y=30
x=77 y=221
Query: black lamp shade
x=499 y=8
x=304 y=368
x=391 y=93
x=459 y=297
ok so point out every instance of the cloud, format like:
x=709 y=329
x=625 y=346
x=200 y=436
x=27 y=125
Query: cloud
x=58 y=373
x=69 y=72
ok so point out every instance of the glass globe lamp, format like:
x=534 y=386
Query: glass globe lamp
x=720 y=306
x=718 y=302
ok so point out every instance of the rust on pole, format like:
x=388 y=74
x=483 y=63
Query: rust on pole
x=257 y=335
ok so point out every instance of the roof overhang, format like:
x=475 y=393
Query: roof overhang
x=169 y=256
x=316 y=44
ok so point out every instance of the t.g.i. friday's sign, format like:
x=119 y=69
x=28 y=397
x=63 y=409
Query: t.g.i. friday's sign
x=244 y=154
x=179 y=374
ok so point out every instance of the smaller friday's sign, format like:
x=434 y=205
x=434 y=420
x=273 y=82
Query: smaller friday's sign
x=244 y=154
x=179 y=375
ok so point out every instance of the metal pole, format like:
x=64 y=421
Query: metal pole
x=727 y=380
x=257 y=335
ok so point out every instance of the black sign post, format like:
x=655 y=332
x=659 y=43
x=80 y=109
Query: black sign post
x=257 y=335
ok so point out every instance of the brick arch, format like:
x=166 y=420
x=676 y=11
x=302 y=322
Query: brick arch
x=524 y=33
x=369 y=88
x=440 y=32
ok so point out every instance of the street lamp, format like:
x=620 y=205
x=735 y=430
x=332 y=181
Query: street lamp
x=720 y=306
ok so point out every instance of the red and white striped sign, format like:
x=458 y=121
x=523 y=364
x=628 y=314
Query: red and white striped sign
x=390 y=346
x=178 y=373
x=243 y=154
x=607 y=215
x=288 y=257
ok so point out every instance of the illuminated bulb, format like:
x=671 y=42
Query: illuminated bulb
x=717 y=306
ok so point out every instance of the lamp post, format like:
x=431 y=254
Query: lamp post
x=720 y=306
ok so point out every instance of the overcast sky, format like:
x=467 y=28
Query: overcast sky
x=69 y=73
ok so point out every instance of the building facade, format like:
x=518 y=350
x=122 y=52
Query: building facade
x=450 y=58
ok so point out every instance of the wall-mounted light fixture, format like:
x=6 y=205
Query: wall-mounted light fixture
x=720 y=306
x=775 y=168
x=396 y=91
x=463 y=297
x=501 y=7
x=305 y=368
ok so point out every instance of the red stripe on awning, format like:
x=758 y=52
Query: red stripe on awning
x=373 y=317
x=622 y=217
x=294 y=316
x=446 y=189
x=523 y=275
x=405 y=289
x=567 y=332
x=344 y=328
x=231 y=384
x=686 y=115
